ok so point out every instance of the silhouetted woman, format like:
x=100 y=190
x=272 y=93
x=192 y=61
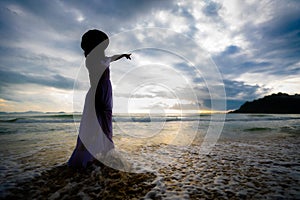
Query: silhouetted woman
x=95 y=131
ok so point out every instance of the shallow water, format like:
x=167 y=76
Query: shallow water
x=33 y=143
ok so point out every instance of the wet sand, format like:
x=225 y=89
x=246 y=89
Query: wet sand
x=267 y=169
x=261 y=168
x=95 y=182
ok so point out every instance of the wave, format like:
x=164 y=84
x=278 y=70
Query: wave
x=260 y=118
x=70 y=118
x=291 y=129
x=154 y=119
x=32 y=120
x=57 y=116
x=256 y=129
x=40 y=118
x=9 y=120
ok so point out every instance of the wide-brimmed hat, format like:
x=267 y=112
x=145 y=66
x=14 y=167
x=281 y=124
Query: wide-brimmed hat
x=93 y=38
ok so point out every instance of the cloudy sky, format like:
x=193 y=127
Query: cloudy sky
x=180 y=49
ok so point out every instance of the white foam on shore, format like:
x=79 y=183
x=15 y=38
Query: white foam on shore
x=236 y=169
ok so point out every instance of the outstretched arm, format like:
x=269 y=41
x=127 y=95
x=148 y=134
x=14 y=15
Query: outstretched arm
x=117 y=57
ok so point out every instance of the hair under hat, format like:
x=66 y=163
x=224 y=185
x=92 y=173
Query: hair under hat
x=93 y=38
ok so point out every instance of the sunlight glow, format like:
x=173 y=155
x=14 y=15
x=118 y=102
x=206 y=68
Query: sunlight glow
x=80 y=18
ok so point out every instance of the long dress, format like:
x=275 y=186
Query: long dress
x=95 y=131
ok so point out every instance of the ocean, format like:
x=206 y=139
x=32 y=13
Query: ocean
x=31 y=143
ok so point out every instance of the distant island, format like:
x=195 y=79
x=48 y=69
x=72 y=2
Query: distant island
x=280 y=103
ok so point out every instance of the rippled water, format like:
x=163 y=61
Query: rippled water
x=31 y=143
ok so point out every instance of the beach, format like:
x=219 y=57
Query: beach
x=233 y=170
x=256 y=157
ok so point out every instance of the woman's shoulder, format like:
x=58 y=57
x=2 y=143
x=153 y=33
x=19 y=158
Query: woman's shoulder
x=105 y=61
x=95 y=62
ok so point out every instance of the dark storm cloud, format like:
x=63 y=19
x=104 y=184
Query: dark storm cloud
x=282 y=35
x=232 y=49
x=237 y=92
x=30 y=28
x=23 y=18
x=281 y=40
x=124 y=9
x=231 y=104
x=238 y=88
x=211 y=8
x=56 y=80
x=277 y=41
x=274 y=46
x=114 y=14
x=250 y=64
x=54 y=25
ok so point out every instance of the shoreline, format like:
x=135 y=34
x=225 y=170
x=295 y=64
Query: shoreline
x=238 y=168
